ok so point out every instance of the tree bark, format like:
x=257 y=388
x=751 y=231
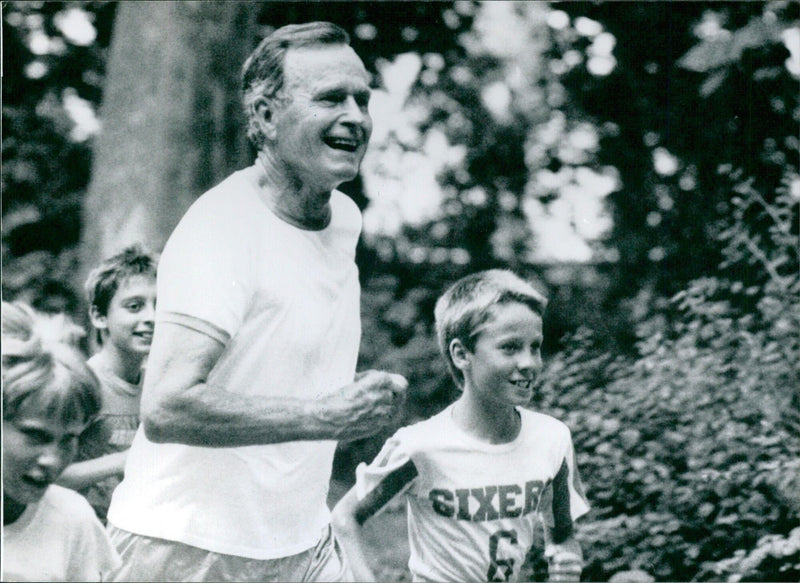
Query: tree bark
x=172 y=123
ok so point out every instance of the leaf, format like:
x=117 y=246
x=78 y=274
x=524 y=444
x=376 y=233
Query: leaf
x=725 y=49
x=713 y=82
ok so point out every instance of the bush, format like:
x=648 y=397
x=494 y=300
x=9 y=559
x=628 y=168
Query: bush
x=774 y=554
x=689 y=450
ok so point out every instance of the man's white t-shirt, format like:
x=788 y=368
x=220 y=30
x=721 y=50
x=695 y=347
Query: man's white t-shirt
x=473 y=507
x=285 y=302
x=57 y=539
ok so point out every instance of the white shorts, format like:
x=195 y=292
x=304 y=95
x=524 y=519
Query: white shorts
x=146 y=558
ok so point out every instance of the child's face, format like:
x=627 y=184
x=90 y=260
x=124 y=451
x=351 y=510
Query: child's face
x=36 y=449
x=507 y=359
x=128 y=325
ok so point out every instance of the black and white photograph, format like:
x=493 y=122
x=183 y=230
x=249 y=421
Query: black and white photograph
x=393 y=291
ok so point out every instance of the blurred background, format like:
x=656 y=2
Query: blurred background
x=637 y=160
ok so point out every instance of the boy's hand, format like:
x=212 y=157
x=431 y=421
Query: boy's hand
x=565 y=566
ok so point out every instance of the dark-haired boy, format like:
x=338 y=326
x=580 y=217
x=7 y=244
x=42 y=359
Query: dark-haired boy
x=122 y=295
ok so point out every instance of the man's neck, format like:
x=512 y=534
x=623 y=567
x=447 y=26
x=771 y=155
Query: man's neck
x=303 y=205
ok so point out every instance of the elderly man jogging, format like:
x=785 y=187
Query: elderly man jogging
x=251 y=377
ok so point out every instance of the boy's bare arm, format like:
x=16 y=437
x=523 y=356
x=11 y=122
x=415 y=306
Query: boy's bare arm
x=178 y=406
x=83 y=474
x=349 y=534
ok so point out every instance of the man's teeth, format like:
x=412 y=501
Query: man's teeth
x=525 y=384
x=343 y=143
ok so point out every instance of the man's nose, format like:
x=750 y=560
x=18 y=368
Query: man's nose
x=355 y=112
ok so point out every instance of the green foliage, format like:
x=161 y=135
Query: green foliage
x=719 y=94
x=689 y=450
x=45 y=166
x=773 y=554
x=43 y=68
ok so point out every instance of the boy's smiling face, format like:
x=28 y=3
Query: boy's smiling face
x=506 y=359
x=129 y=321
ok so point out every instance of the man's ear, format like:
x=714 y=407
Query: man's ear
x=99 y=321
x=459 y=354
x=264 y=109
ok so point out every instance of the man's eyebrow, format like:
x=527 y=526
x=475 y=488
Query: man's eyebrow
x=331 y=90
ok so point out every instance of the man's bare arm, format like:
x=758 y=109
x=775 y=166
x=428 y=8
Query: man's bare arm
x=178 y=406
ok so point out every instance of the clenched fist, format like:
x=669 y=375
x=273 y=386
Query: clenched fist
x=371 y=402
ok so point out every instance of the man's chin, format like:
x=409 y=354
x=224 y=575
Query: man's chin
x=346 y=175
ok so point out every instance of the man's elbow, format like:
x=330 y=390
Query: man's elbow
x=154 y=431
x=159 y=425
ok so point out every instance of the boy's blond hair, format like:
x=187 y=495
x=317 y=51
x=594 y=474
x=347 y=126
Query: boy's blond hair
x=466 y=305
x=42 y=368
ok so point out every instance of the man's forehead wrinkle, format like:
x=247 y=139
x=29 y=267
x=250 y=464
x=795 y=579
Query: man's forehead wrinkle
x=328 y=81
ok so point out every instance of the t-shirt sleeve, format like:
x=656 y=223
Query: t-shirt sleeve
x=94 y=557
x=390 y=473
x=564 y=500
x=202 y=273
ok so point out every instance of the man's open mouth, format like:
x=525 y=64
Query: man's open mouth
x=339 y=143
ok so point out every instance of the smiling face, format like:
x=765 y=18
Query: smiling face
x=318 y=131
x=506 y=360
x=127 y=326
x=36 y=449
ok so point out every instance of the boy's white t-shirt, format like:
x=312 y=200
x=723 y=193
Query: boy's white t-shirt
x=472 y=506
x=285 y=302
x=57 y=539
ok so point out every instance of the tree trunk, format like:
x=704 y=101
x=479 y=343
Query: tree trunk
x=172 y=124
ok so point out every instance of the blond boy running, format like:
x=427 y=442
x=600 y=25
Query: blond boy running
x=481 y=475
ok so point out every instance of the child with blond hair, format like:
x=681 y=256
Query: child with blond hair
x=481 y=475
x=50 y=533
